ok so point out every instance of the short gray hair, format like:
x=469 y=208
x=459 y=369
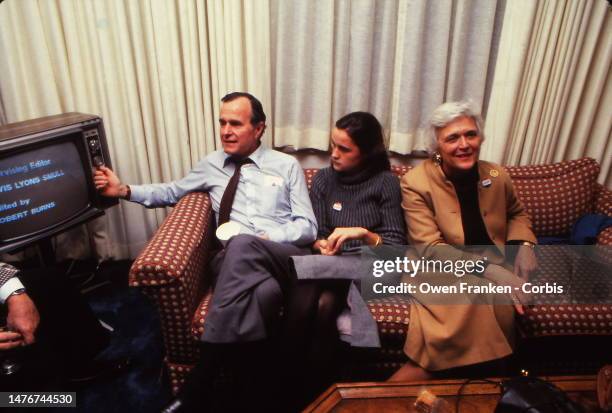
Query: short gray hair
x=449 y=112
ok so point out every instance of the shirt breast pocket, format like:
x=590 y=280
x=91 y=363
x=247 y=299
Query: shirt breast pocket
x=271 y=194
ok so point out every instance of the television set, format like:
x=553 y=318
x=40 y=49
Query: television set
x=46 y=177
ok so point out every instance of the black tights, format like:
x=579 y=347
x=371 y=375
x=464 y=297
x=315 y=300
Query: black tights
x=311 y=339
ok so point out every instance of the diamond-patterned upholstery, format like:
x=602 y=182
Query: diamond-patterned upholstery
x=552 y=316
x=603 y=205
x=172 y=270
x=556 y=195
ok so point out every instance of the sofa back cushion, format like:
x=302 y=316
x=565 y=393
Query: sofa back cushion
x=556 y=195
x=309 y=173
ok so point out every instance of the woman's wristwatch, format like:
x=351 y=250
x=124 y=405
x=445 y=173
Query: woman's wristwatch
x=528 y=244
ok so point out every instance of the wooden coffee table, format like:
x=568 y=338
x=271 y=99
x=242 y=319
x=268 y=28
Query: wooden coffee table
x=476 y=397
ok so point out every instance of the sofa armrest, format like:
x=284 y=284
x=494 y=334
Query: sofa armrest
x=603 y=205
x=605 y=237
x=172 y=271
x=603 y=200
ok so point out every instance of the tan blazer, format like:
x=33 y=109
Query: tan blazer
x=447 y=336
x=433 y=214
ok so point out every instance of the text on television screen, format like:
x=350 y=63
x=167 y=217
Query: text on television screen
x=39 y=188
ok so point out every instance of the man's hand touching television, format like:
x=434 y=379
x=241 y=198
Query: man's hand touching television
x=109 y=184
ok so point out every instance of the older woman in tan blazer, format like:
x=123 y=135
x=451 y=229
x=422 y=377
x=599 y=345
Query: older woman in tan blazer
x=452 y=200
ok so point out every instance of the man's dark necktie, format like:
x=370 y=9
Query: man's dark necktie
x=225 y=208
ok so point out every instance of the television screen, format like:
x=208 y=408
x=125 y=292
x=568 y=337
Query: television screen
x=40 y=187
x=46 y=177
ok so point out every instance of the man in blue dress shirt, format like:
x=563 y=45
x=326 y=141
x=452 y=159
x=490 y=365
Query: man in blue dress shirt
x=271 y=206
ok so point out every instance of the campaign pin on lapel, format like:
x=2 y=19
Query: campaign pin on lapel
x=337 y=206
x=494 y=173
x=486 y=183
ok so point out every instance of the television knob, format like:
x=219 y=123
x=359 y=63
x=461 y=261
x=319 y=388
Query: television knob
x=94 y=145
x=98 y=161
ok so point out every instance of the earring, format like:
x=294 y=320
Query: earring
x=437 y=158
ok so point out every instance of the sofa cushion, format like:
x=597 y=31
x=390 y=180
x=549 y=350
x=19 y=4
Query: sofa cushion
x=197 y=324
x=583 y=308
x=309 y=173
x=566 y=320
x=556 y=195
x=392 y=315
x=400 y=170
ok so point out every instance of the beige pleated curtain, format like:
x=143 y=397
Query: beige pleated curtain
x=155 y=70
x=552 y=94
x=396 y=59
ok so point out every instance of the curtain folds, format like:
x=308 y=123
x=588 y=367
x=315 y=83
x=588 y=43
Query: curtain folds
x=558 y=105
x=155 y=71
x=396 y=59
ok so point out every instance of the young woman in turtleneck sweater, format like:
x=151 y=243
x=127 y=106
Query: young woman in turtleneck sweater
x=357 y=202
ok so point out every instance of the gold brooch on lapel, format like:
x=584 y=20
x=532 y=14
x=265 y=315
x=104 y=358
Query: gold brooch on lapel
x=494 y=173
x=337 y=206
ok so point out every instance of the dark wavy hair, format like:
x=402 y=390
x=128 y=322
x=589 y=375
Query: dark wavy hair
x=257 y=112
x=367 y=133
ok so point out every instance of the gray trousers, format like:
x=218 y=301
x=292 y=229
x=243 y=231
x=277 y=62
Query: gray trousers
x=252 y=275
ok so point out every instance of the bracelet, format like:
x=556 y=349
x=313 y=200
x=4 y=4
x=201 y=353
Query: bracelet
x=378 y=240
x=128 y=192
x=528 y=244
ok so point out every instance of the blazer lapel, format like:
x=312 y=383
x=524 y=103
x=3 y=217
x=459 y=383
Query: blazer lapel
x=491 y=200
x=448 y=212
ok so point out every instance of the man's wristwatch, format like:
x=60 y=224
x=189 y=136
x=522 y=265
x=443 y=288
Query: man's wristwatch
x=128 y=193
x=18 y=291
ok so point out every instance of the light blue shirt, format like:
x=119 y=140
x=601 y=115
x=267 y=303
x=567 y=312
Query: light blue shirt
x=271 y=199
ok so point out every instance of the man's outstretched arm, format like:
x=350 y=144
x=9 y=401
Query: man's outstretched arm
x=152 y=195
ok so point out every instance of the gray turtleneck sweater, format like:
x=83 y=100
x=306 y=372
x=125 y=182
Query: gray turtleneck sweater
x=373 y=203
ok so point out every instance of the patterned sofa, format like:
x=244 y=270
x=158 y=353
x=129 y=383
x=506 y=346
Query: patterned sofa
x=172 y=269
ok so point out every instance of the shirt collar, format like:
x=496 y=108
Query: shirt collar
x=257 y=156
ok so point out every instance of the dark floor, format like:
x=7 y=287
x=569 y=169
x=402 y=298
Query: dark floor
x=137 y=335
x=144 y=387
